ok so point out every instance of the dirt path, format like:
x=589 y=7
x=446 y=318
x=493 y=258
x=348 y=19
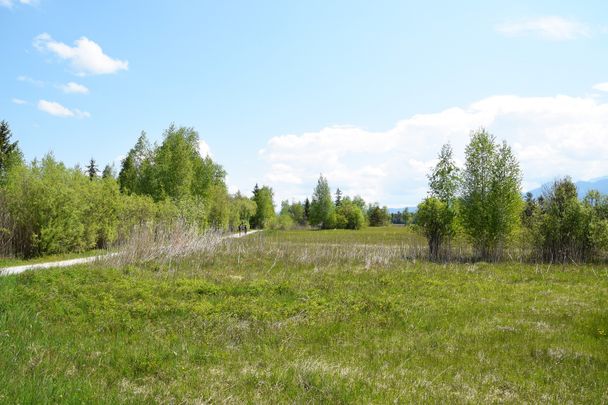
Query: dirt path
x=72 y=262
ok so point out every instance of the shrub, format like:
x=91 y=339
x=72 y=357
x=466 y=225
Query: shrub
x=349 y=216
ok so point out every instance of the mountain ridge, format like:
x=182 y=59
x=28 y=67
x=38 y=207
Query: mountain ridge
x=583 y=186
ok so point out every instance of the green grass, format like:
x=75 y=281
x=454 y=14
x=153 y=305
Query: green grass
x=260 y=322
x=7 y=262
x=389 y=235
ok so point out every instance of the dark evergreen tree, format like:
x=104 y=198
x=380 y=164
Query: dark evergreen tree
x=92 y=170
x=306 y=208
x=9 y=151
x=338 y=197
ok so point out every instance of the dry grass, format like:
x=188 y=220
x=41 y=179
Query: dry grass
x=164 y=244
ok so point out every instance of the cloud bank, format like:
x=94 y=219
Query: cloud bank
x=601 y=86
x=11 y=3
x=551 y=136
x=57 y=110
x=86 y=57
x=553 y=28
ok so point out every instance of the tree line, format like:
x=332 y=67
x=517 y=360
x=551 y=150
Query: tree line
x=48 y=208
x=482 y=203
x=326 y=211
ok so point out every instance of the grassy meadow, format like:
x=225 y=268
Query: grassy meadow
x=305 y=317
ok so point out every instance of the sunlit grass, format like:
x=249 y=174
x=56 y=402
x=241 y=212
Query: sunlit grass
x=264 y=321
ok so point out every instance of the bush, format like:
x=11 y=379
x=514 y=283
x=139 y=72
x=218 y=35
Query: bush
x=50 y=209
x=564 y=225
x=436 y=219
x=281 y=222
x=377 y=216
x=349 y=216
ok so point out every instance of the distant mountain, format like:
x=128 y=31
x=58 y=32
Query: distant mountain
x=600 y=184
x=396 y=210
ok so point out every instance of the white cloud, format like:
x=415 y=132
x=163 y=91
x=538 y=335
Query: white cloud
x=551 y=136
x=19 y=101
x=601 y=86
x=27 y=79
x=73 y=87
x=56 y=109
x=549 y=27
x=86 y=57
x=232 y=188
x=204 y=149
x=10 y=3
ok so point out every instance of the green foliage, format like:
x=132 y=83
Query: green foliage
x=175 y=171
x=444 y=180
x=322 y=210
x=92 y=170
x=242 y=209
x=138 y=211
x=295 y=210
x=218 y=202
x=491 y=201
x=306 y=209
x=436 y=214
x=108 y=172
x=264 y=214
x=359 y=202
x=404 y=217
x=46 y=208
x=377 y=216
x=565 y=229
x=174 y=162
x=281 y=222
x=564 y=223
x=338 y=197
x=436 y=218
x=349 y=215
x=10 y=155
x=54 y=210
x=135 y=176
x=100 y=212
x=58 y=210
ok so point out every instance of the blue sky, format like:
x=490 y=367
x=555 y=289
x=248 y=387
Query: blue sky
x=364 y=92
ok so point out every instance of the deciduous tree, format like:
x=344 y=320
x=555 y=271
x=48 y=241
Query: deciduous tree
x=491 y=199
x=322 y=206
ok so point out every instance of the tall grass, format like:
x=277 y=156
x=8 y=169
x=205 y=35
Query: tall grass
x=371 y=247
x=163 y=244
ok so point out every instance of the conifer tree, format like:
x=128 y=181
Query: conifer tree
x=338 y=197
x=92 y=170
x=9 y=151
x=306 y=209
